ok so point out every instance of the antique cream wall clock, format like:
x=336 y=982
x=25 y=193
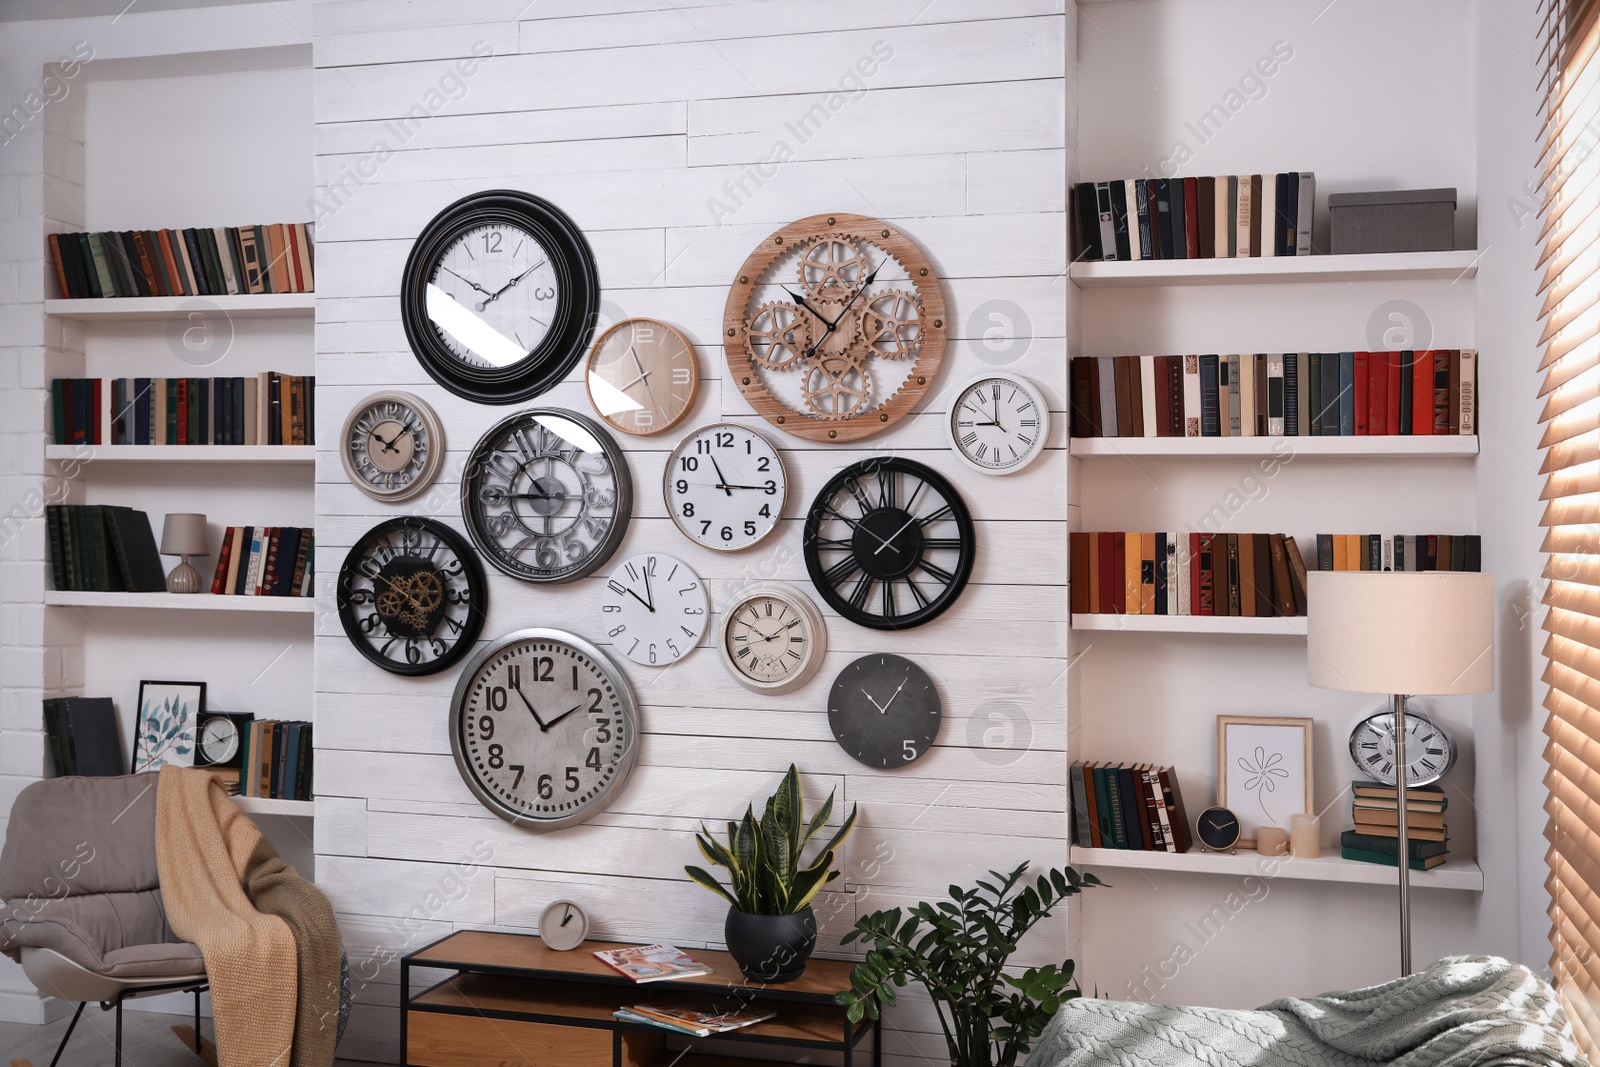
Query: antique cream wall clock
x=642 y=376
x=834 y=327
x=392 y=446
x=772 y=638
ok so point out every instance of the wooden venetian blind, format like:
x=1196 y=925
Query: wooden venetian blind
x=1570 y=166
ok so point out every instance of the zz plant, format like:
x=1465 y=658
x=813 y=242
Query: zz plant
x=765 y=876
x=958 y=950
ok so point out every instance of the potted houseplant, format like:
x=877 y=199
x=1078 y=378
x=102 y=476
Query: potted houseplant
x=958 y=952
x=771 y=928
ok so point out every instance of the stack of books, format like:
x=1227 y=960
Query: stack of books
x=1376 y=836
x=1129 y=806
x=98 y=548
x=1427 y=392
x=82 y=732
x=1245 y=574
x=264 y=409
x=199 y=261
x=1399 y=552
x=1222 y=217
x=275 y=760
x=265 y=561
x=695 y=1018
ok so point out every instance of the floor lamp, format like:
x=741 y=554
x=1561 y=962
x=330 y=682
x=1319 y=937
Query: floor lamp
x=1404 y=634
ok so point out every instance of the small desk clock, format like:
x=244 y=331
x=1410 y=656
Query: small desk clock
x=563 y=925
x=1217 y=829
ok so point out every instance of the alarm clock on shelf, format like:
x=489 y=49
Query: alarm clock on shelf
x=563 y=926
x=1217 y=830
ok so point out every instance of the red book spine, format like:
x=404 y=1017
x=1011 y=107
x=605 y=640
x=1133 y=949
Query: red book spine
x=1119 y=571
x=1361 y=401
x=224 y=554
x=1107 y=577
x=1191 y=215
x=1422 y=393
x=1378 y=393
x=183 y=411
x=1164 y=397
x=1392 y=398
x=1206 y=573
x=1193 y=563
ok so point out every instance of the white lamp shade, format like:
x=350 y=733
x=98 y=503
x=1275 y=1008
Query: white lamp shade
x=184 y=534
x=1429 y=633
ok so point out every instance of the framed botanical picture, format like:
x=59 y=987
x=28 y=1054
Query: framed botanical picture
x=1263 y=771
x=169 y=712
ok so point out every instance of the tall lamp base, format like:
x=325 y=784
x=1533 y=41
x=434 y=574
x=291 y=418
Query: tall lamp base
x=183 y=578
x=1402 y=844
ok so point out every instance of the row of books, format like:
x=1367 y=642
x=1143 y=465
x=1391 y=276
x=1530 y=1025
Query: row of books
x=1376 y=836
x=263 y=409
x=82 y=735
x=1129 y=806
x=265 y=561
x=1222 y=217
x=1252 y=575
x=1291 y=394
x=198 y=261
x=102 y=548
x=1399 y=552
x=275 y=760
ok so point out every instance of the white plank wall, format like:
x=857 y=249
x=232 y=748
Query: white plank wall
x=632 y=116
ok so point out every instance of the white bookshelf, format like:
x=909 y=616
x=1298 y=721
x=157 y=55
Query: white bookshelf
x=1380 y=447
x=1458 y=874
x=1381 y=267
x=266 y=605
x=244 y=306
x=1272 y=626
x=297 y=809
x=184 y=454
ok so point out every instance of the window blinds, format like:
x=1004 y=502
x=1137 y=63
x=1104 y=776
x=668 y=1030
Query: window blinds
x=1570 y=288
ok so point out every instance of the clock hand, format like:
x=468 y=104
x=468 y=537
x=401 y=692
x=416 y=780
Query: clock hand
x=844 y=310
x=495 y=295
x=721 y=477
x=896 y=693
x=469 y=281
x=651 y=603
x=636 y=596
x=904 y=526
x=542 y=727
x=798 y=299
x=563 y=715
x=565 y=919
x=874 y=702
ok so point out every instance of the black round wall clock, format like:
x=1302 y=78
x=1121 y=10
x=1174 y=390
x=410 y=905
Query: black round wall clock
x=412 y=595
x=889 y=543
x=884 y=710
x=499 y=296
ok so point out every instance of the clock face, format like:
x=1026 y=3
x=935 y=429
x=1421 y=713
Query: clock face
x=546 y=495
x=498 y=296
x=563 y=925
x=642 y=376
x=654 y=609
x=392 y=446
x=997 y=423
x=884 y=710
x=412 y=596
x=772 y=638
x=725 y=487
x=1218 y=829
x=834 y=327
x=218 y=741
x=889 y=543
x=543 y=728
x=1430 y=751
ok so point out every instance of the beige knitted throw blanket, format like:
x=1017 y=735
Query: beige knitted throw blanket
x=269 y=938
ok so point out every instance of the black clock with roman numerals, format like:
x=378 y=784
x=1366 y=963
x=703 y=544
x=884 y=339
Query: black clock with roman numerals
x=889 y=543
x=412 y=596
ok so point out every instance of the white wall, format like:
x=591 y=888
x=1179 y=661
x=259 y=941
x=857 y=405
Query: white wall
x=1372 y=96
x=631 y=121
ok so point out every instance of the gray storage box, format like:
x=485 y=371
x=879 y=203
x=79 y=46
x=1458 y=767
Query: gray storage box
x=1399 y=220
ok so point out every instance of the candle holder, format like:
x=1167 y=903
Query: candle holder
x=1305 y=836
x=1272 y=841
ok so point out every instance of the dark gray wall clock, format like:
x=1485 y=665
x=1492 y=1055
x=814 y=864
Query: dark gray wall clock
x=884 y=710
x=499 y=296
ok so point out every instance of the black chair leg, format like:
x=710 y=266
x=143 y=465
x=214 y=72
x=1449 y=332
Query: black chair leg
x=119 y=1032
x=197 y=1021
x=64 y=1037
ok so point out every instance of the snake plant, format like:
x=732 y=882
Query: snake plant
x=765 y=876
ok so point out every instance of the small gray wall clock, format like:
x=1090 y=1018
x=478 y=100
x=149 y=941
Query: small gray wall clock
x=392 y=446
x=884 y=710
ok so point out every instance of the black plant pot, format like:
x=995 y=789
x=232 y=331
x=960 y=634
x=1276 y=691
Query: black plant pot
x=771 y=948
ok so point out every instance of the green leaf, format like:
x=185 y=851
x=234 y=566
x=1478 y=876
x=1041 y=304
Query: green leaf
x=820 y=819
x=703 y=877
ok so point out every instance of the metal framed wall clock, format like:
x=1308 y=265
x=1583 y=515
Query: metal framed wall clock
x=725 y=487
x=997 y=422
x=546 y=495
x=543 y=728
x=498 y=296
x=1430 y=750
x=392 y=446
x=654 y=609
x=834 y=327
x=642 y=376
x=412 y=596
x=884 y=710
x=772 y=637
x=889 y=543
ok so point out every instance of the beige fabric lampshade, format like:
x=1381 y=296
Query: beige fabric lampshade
x=1428 y=633
x=184 y=534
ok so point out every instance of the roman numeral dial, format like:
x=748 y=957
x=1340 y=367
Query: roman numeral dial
x=997 y=423
x=772 y=638
x=1430 y=751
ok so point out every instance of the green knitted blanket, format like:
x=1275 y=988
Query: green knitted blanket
x=1464 y=1011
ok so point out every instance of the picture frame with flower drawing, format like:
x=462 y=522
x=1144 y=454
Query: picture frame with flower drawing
x=164 y=733
x=1264 y=770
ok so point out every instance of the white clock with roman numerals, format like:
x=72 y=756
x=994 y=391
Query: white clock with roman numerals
x=772 y=638
x=654 y=609
x=1430 y=751
x=543 y=728
x=997 y=422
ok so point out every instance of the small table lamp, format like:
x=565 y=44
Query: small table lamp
x=1429 y=632
x=184 y=534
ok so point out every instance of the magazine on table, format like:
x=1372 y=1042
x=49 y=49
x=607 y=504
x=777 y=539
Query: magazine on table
x=692 y=1017
x=652 y=963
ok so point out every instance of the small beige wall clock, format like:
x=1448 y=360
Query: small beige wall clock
x=835 y=326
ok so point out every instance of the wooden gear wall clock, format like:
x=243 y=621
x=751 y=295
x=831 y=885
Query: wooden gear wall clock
x=835 y=326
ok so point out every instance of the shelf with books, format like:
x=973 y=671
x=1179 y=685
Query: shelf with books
x=1373 y=267
x=1273 y=625
x=292 y=605
x=1462 y=874
x=246 y=305
x=83 y=454
x=298 y=809
x=1388 y=446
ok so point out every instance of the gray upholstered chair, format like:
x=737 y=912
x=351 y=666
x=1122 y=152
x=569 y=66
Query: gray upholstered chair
x=83 y=911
